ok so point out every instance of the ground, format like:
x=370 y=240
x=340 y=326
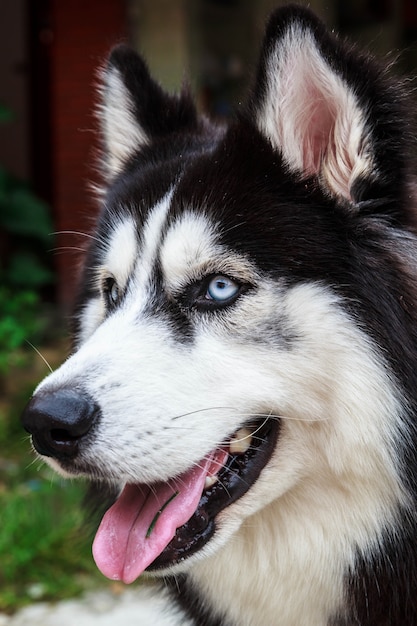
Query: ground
x=101 y=608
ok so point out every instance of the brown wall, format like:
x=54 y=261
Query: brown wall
x=80 y=34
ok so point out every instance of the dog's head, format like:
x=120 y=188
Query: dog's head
x=232 y=303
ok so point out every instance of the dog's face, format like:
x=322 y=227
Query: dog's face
x=226 y=360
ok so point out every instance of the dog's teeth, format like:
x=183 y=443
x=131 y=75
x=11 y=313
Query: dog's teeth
x=241 y=441
x=210 y=481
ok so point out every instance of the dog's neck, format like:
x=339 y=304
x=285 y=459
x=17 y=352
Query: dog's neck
x=301 y=558
x=301 y=591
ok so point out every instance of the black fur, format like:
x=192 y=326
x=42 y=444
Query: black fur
x=384 y=98
x=295 y=230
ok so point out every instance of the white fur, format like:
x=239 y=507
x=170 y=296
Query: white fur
x=312 y=116
x=123 y=134
x=91 y=316
x=330 y=485
x=151 y=234
x=337 y=432
x=190 y=253
x=121 y=250
x=120 y=256
x=280 y=553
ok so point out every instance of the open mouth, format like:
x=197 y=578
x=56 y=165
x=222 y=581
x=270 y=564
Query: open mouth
x=154 y=527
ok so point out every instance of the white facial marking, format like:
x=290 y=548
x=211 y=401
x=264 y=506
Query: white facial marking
x=122 y=255
x=118 y=261
x=189 y=244
x=152 y=233
x=190 y=252
x=122 y=250
x=91 y=316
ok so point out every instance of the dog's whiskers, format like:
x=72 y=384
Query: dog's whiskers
x=196 y=411
x=249 y=415
x=41 y=355
x=77 y=233
x=62 y=249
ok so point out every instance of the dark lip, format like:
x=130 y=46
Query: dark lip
x=238 y=475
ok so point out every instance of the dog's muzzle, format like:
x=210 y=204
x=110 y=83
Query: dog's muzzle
x=59 y=421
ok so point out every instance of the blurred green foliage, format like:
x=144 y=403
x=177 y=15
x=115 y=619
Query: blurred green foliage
x=43 y=552
x=25 y=236
x=45 y=544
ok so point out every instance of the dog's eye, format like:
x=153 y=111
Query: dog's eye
x=222 y=290
x=111 y=292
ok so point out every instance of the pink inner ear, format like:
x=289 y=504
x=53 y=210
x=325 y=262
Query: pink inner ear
x=316 y=126
x=312 y=116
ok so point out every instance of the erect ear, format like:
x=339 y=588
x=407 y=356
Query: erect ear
x=135 y=110
x=329 y=110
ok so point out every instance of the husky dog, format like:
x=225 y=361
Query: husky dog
x=245 y=363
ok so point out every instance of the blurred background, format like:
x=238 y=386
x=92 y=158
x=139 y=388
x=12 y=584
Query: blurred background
x=49 y=54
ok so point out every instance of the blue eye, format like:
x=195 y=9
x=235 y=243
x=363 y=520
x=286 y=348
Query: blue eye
x=114 y=294
x=111 y=292
x=221 y=289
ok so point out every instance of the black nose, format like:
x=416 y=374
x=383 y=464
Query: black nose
x=59 y=421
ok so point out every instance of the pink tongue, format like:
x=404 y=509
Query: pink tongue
x=129 y=539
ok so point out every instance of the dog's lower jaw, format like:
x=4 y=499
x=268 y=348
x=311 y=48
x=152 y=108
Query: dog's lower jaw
x=288 y=590
x=276 y=564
